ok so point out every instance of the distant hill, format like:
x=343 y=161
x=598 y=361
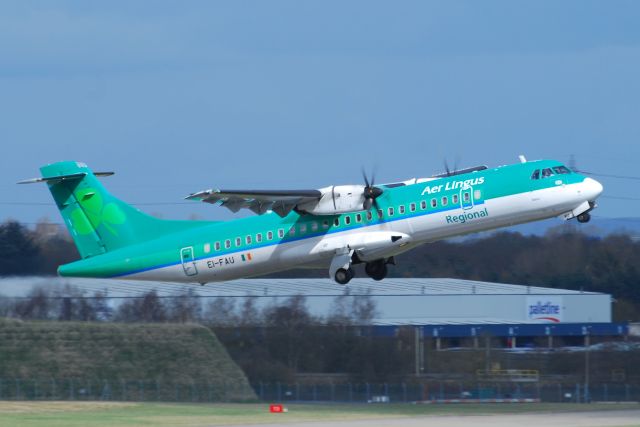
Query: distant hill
x=598 y=226
x=117 y=361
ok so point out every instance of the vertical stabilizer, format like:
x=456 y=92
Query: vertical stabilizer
x=99 y=222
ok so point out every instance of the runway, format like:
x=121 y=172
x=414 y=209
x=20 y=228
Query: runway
x=624 y=418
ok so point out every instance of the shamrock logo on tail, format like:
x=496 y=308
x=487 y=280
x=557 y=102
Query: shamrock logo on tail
x=96 y=212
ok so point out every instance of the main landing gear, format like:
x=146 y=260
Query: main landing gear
x=377 y=269
x=584 y=217
x=343 y=275
x=341 y=271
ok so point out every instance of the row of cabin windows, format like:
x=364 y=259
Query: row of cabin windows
x=358 y=218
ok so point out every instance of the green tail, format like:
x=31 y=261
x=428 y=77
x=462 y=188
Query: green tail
x=99 y=222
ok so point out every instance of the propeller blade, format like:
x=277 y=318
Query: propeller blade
x=367 y=203
x=364 y=176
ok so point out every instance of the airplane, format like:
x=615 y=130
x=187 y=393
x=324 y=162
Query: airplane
x=334 y=227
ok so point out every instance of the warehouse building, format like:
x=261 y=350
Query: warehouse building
x=439 y=308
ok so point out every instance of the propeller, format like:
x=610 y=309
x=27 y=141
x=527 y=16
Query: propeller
x=448 y=171
x=371 y=192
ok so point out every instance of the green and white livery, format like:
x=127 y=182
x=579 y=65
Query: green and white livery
x=332 y=227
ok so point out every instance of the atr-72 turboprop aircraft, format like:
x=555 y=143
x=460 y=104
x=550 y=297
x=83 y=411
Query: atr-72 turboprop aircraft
x=332 y=227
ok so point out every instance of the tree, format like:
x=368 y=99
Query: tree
x=18 y=251
x=149 y=308
x=221 y=312
x=185 y=307
x=37 y=306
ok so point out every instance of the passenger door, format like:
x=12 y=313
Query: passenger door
x=466 y=197
x=188 y=261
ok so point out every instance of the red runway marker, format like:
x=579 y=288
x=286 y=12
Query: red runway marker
x=276 y=409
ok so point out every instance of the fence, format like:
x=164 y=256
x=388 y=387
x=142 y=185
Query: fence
x=119 y=390
x=149 y=391
x=444 y=390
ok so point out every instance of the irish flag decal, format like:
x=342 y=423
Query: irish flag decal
x=246 y=257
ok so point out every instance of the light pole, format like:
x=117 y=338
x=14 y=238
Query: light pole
x=587 y=343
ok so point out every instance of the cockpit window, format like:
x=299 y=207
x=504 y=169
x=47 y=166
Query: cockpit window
x=561 y=170
x=535 y=174
x=546 y=173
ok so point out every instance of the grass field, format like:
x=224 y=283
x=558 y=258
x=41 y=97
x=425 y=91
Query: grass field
x=92 y=354
x=112 y=414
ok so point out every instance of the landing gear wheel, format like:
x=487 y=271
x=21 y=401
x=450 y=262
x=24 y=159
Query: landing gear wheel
x=585 y=217
x=343 y=275
x=381 y=275
x=377 y=270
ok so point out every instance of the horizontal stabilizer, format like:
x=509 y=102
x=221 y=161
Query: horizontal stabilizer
x=60 y=178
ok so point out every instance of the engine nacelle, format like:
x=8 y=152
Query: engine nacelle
x=336 y=199
x=379 y=244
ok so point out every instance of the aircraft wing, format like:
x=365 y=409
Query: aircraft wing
x=258 y=201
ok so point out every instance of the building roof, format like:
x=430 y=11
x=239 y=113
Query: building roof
x=399 y=301
x=20 y=286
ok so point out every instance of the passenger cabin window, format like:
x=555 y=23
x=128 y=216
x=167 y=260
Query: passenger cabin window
x=358 y=217
x=347 y=220
x=259 y=237
x=434 y=203
x=401 y=209
x=292 y=231
x=217 y=246
x=336 y=222
x=445 y=201
x=369 y=216
x=477 y=194
x=227 y=244
x=391 y=211
x=380 y=214
x=281 y=233
x=207 y=248
x=314 y=226
x=561 y=170
x=269 y=235
x=535 y=174
x=248 y=240
x=303 y=228
x=238 y=241
x=325 y=224
x=412 y=207
x=423 y=204
x=466 y=197
x=454 y=199
x=546 y=173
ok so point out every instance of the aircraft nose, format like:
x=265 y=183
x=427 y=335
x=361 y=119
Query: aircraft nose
x=592 y=188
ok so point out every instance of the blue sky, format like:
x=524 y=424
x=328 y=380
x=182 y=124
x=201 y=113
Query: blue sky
x=181 y=96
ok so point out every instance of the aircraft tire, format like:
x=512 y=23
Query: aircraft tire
x=583 y=218
x=381 y=274
x=343 y=276
x=377 y=270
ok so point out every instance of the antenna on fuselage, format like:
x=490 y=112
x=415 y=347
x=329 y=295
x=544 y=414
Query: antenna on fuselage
x=522 y=158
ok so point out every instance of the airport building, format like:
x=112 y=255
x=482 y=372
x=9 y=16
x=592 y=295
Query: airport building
x=437 y=308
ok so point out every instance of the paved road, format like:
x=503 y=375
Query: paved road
x=571 y=419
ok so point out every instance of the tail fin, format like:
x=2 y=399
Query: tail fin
x=99 y=222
